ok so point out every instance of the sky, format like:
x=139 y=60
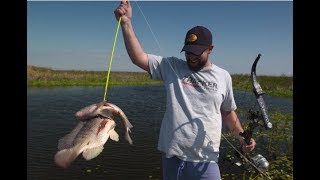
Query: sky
x=79 y=35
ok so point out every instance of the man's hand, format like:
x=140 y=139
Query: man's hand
x=247 y=147
x=124 y=11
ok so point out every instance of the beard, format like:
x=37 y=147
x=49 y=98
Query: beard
x=196 y=66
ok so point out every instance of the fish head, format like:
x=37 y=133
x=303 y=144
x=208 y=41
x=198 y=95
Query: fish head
x=101 y=104
x=103 y=111
x=89 y=111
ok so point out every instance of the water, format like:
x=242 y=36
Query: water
x=50 y=115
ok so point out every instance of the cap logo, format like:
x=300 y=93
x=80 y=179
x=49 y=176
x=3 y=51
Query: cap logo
x=192 y=38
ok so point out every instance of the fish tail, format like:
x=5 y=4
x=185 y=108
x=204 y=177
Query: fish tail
x=128 y=138
x=65 y=157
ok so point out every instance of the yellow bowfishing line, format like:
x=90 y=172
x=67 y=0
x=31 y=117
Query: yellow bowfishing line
x=111 y=58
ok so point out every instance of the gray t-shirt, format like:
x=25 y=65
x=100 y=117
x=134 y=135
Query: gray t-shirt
x=191 y=126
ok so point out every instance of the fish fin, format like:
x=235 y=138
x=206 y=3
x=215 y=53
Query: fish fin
x=128 y=138
x=91 y=153
x=65 y=157
x=67 y=141
x=114 y=135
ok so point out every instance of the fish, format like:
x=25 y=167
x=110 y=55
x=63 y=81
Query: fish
x=95 y=126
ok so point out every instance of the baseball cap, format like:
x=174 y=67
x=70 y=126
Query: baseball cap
x=197 y=40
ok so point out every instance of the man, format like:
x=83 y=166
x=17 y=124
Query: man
x=199 y=98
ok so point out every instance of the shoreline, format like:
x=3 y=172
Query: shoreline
x=45 y=77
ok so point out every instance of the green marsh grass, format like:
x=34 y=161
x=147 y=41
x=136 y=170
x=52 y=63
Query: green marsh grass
x=41 y=76
x=272 y=85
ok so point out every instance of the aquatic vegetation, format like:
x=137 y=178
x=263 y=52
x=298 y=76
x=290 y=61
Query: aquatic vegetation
x=276 y=145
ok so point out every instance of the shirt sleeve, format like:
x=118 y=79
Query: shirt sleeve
x=154 y=66
x=228 y=103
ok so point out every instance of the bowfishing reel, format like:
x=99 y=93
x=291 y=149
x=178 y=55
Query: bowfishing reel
x=260 y=162
x=249 y=163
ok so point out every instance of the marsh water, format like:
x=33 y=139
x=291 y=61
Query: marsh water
x=50 y=115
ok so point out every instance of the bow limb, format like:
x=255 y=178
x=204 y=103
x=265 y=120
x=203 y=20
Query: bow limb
x=259 y=94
